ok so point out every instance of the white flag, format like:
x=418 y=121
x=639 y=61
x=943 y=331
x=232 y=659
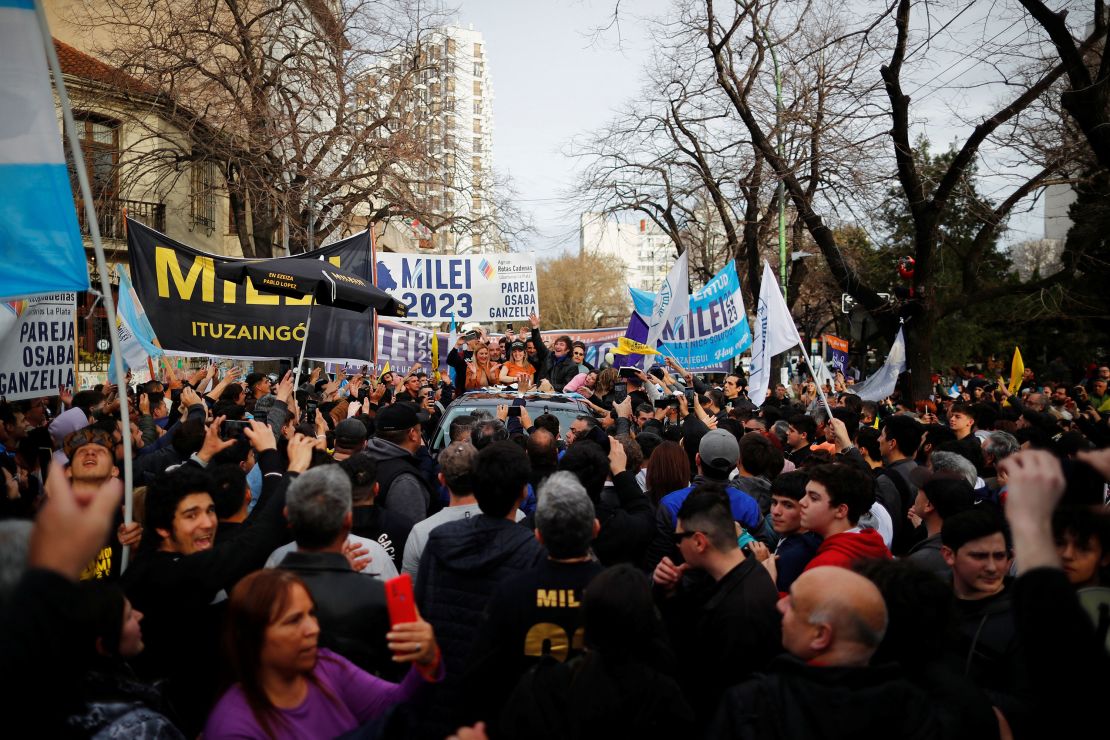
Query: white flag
x=774 y=332
x=672 y=303
x=882 y=383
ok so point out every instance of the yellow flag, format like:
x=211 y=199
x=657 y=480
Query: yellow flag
x=384 y=370
x=1017 y=370
x=435 y=351
x=626 y=346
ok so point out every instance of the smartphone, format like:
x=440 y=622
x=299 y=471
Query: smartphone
x=510 y=326
x=663 y=403
x=309 y=414
x=689 y=393
x=620 y=391
x=471 y=335
x=230 y=429
x=399 y=600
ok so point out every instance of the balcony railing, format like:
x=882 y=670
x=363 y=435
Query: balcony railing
x=109 y=216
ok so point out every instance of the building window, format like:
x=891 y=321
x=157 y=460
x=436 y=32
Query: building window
x=477 y=205
x=477 y=88
x=450 y=50
x=202 y=197
x=477 y=125
x=477 y=107
x=477 y=50
x=477 y=144
x=478 y=69
x=476 y=240
x=100 y=145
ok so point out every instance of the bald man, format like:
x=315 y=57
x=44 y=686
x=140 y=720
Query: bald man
x=832 y=622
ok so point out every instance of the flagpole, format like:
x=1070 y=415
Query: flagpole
x=101 y=263
x=816 y=382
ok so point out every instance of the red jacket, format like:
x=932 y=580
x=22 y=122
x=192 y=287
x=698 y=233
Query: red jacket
x=847 y=547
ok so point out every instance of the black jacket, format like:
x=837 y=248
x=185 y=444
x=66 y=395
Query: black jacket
x=594 y=698
x=388 y=528
x=176 y=594
x=722 y=631
x=463 y=562
x=627 y=523
x=801 y=701
x=351 y=608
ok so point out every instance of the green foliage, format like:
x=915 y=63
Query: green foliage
x=961 y=333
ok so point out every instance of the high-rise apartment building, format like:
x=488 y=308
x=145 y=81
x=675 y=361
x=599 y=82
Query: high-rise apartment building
x=453 y=101
x=646 y=252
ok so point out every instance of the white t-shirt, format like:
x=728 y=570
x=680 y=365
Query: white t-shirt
x=381 y=565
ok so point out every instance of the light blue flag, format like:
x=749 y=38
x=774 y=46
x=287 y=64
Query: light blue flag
x=40 y=244
x=641 y=301
x=136 y=336
x=452 y=337
x=716 y=329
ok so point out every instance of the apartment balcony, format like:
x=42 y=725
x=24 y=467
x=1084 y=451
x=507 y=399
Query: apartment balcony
x=110 y=216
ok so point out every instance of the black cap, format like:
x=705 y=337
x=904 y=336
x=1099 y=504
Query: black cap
x=350 y=433
x=399 y=416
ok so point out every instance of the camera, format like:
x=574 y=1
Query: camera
x=620 y=391
x=230 y=429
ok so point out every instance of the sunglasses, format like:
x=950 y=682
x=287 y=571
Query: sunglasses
x=678 y=537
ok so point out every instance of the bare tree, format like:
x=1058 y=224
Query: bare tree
x=684 y=156
x=928 y=201
x=316 y=114
x=583 y=291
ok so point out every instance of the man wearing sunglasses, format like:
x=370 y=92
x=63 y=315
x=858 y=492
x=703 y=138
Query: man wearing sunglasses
x=718 y=604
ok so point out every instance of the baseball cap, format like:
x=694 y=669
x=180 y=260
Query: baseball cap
x=350 y=433
x=719 y=449
x=516 y=345
x=398 y=416
x=88 y=436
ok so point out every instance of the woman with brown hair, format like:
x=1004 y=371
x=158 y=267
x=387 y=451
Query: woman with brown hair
x=668 y=470
x=286 y=686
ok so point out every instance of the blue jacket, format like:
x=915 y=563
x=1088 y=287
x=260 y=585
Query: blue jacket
x=745 y=509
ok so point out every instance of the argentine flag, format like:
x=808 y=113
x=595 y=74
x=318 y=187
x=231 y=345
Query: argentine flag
x=40 y=244
x=136 y=336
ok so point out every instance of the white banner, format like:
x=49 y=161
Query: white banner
x=36 y=346
x=478 y=287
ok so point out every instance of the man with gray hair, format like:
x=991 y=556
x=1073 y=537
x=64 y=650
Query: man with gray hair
x=350 y=607
x=996 y=448
x=954 y=462
x=318 y=508
x=538 y=612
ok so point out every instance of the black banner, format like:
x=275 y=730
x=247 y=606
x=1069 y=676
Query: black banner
x=193 y=311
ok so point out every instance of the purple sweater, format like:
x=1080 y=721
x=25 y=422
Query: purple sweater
x=360 y=697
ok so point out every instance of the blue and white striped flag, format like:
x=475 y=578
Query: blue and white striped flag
x=40 y=244
x=136 y=336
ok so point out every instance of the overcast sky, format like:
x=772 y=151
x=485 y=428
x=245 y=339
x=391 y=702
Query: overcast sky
x=554 y=76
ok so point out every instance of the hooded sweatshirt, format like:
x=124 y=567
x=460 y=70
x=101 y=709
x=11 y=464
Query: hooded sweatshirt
x=403 y=488
x=463 y=563
x=847 y=547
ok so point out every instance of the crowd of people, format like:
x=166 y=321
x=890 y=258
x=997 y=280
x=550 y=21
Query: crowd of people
x=676 y=563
